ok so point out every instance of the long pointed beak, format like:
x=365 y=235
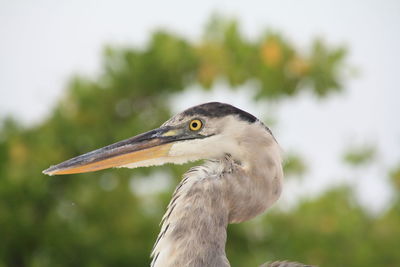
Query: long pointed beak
x=147 y=146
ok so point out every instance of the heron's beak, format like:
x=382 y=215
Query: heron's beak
x=154 y=144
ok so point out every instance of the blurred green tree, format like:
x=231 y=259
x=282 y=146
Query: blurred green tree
x=109 y=218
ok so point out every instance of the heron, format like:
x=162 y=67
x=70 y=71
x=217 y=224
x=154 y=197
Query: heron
x=240 y=178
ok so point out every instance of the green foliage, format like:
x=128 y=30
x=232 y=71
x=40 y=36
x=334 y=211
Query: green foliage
x=100 y=219
x=395 y=177
x=357 y=156
x=293 y=165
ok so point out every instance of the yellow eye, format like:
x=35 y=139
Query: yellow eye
x=195 y=125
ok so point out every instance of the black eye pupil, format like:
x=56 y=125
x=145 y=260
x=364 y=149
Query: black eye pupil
x=194 y=124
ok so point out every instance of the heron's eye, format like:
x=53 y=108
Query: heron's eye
x=195 y=125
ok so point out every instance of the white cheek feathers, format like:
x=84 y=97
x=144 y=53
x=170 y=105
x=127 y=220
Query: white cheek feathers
x=196 y=149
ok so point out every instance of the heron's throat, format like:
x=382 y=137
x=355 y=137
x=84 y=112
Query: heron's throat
x=193 y=231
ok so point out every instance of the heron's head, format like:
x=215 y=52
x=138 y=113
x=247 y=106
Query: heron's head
x=207 y=131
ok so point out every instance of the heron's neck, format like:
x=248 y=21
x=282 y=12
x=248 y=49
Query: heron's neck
x=193 y=231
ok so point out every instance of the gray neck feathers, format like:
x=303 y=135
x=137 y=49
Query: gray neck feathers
x=193 y=231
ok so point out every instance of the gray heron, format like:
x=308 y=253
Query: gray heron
x=240 y=178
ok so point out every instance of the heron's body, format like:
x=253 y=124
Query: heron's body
x=241 y=178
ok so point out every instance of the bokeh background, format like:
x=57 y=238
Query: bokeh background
x=78 y=75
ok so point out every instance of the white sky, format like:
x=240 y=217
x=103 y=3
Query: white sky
x=43 y=43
